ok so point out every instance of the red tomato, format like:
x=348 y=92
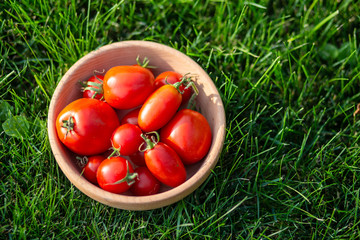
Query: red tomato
x=90 y=169
x=115 y=175
x=145 y=183
x=159 y=108
x=164 y=163
x=189 y=134
x=126 y=87
x=127 y=139
x=93 y=87
x=138 y=158
x=173 y=77
x=85 y=126
x=131 y=117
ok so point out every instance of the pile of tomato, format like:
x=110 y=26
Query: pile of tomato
x=151 y=144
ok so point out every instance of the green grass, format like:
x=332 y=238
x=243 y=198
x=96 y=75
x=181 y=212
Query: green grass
x=288 y=73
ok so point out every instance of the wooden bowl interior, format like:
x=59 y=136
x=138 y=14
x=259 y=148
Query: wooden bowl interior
x=165 y=59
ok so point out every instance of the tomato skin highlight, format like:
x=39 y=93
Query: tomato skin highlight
x=172 y=77
x=90 y=169
x=131 y=117
x=145 y=183
x=112 y=170
x=165 y=165
x=93 y=122
x=127 y=139
x=127 y=87
x=159 y=108
x=189 y=134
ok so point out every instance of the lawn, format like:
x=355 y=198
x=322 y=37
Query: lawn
x=288 y=73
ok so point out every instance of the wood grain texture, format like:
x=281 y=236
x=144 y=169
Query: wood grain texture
x=166 y=59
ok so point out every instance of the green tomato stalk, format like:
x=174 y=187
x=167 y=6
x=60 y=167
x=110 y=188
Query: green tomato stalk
x=150 y=142
x=129 y=177
x=145 y=63
x=68 y=124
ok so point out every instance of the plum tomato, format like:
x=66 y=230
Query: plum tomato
x=127 y=87
x=86 y=125
x=115 y=175
x=171 y=77
x=145 y=183
x=131 y=117
x=189 y=134
x=127 y=139
x=164 y=163
x=159 y=108
x=93 y=87
x=90 y=168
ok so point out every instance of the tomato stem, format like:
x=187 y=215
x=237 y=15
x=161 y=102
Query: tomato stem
x=115 y=151
x=193 y=86
x=187 y=82
x=145 y=63
x=69 y=125
x=129 y=177
x=97 y=88
x=191 y=103
x=178 y=84
x=82 y=161
x=150 y=142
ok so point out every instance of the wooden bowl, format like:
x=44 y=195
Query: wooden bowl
x=165 y=58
